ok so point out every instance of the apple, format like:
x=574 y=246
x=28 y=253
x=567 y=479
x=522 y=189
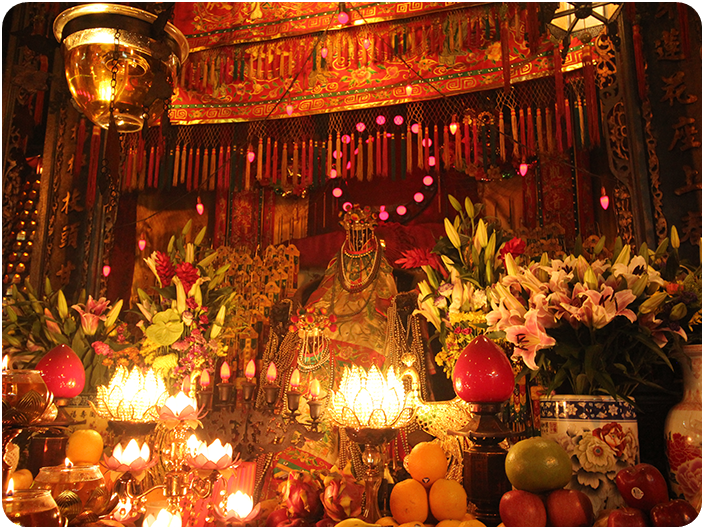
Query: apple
x=642 y=486
x=627 y=517
x=675 y=513
x=569 y=508
x=520 y=508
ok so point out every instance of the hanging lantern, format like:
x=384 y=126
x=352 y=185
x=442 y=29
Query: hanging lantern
x=200 y=208
x=289 y=108
x=342 y=16
x=142 y=243
x=347 y=206
x=324 y=53
x=409 y=90
x=401 y=210
x=94 y=51
x=428 y=180
x=250 y=156
x=366 y=43
x=418 y=197
x=604 y=199
x=345 y=139
x=380 y=120
x=383 y=214
x=431 y=161
x=398 y=120
x=337 y=192
x=453 y=126
x=415 y=128
x=584 y=20
x=361 y=126
x=106 y=270
x=523 y=169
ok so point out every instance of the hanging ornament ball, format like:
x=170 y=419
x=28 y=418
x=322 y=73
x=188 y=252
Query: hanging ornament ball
x=324 y=53
x=483 y=372
x=343 y=18
x=345 y=138
x=418 y=197
x=380 y=120
x=366 y=43
x=427 y=142
x=349 y=165
x=523 y=169
x=428 y=180
x=289 y=109
x=431 y=161
x=337 y=192
x=398 y=120
x=63 y=372
x=347 y=206
x=415 y=128
x=361 y=126
x=336 y=154
x=333 y=173
x=250 y=156
x=401 y=210
x=383 y=215
x=453 y=127
x=106 y=270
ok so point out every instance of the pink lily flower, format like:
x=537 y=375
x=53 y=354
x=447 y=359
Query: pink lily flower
x=92 y=313
x=51 y=322
x=529 y=338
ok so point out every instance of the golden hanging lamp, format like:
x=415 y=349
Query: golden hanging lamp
x=145 y=56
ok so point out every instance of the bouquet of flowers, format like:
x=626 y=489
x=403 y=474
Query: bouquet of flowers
x=473 y=254
x=587 y=326
x=185 y=321
x=33 y=324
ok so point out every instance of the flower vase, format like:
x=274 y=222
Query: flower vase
x=600 y=434
x=683 y=431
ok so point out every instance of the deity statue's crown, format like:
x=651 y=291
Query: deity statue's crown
x=358 y=218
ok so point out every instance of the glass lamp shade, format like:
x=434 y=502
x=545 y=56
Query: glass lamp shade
x=483 y=373
x=88 y=37
x=63 y=372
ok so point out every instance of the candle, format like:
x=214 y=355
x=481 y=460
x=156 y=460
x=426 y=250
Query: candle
x=250 y=370
x=225 y=372
x=295 y=379
x=271 y=373
x=31 y=508
x=86 y=481
x=204 y=380
x=68 y=463
x=5 y=363
x=315 y=389
x=186 y=385
x=163 y=519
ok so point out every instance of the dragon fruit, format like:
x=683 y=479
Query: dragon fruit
x=301 y=495
x=342 y=496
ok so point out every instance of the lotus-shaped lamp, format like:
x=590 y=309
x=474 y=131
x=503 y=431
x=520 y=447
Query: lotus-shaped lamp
x=134 y=396
x=232 y=505
x=371 y=400
x=132 y=458
x=163 y=519
x=214 y=457
x=180 y=407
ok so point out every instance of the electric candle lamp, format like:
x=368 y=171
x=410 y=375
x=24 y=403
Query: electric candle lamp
x=249 y=384
x=250 y=156
x=180 y=407
x=163 y=519
x=271 y=390
x=314 y=405
x=215 y=456
x=225 y=388
x=205 y=395
x=453 y=128
x=132 y=458
x=134 y=396
x=604 y=199
x=142 y=243
x=200 y=208
x=106 y=270
x=204 y=380
x=294 y=395
x=409 y=90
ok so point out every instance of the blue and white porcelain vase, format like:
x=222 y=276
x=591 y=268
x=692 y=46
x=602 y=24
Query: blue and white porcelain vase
x=600 y=434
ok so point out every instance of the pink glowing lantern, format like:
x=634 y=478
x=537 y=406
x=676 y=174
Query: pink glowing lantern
x=398 y=120
x=409 y=90
x=347 y=206
x=200 y=208
x=250 y=156
x=336 y=154
x=343 y=18
x=483 y=372
x=380 y=120
x=337 y=192
x=428 y=180
x=453 y=127
x=427 y=142
x=360 y=127
x=349 y=165
x=383 y=214
x=523 y=169
x=401 y=210
x=366 y=43
x=333 y=173
x=142 y=243
x=431 y=161
x=63 y=372
x=418 y=197
x=346 y=138
x=415 y=128
x=106 y=270
x=324 y=53
x=604 y=199
x=289 y=109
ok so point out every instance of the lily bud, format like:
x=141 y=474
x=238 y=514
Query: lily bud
x=599 y=245
x=674 y=237
x=62 y=305
x=511 y=268
x=625 y=256
x=662 y=248
x=200 y=236
x=170 y=246
x=590 y=279
x=489 y=273
x=490 y=248
x=455 y=204
x=190 y=252
x=111 y=318
x=452 y=234
x=180 y=295
x=639 y=286
x=208 y=259
x=197 y=294
x=469 y=207
x=481 y=234
x=652 y=303
x=678 y=312
x=215 y=330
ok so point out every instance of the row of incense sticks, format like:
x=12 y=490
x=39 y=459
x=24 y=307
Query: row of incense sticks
x=514 y=135
x=356 y=47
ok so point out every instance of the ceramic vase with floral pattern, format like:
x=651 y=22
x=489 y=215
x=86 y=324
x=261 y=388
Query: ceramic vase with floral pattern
x=683 y=431
x=600 y=434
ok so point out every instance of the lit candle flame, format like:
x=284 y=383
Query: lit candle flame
x=250 y=370
x=295 y=379
x=204 y=379
x=5 y=362
x=271 y=373
x=11 y=487
x=68 y=463
x=225 y=372
x=315 y=389
x=186 y=385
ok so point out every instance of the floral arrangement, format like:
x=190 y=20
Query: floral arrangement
x=184 y=322
x=33 y=324
x=587 y=326
x=472 y=253
x=311 y=320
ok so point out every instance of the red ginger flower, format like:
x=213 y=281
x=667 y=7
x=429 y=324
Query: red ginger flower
x=188 y=274
x=164 y=268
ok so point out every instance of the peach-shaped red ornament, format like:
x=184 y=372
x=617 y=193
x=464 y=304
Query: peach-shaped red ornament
x=63 y=372
x=483 y=372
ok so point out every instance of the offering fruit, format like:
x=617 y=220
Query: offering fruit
x=22 y=478
x=569 y=508
x=426 y=463
x=642 y=486
x=627 y=517
x=675 y=513
x=409 y=502
x=387 y=521
x=520 y=508
x=538 y=465
x=447 y=499
x=84 y=447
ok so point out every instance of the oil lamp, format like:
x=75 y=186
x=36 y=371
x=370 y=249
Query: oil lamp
x=483 y=377
x=114 y=55
x=248 y=385
x=31 y=508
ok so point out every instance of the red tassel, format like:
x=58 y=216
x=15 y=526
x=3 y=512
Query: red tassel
x=275 y=163
x=467 y=151
x=189 y=173
x=221 y=169
x=522 y=128
x=385 y=166
x=304 y=159
x=505 y=56
x=568 y=122
x=267 y=171
x=531 y=132
x=683 y=13
x=150 y=172
x=436 y=149
x=590 y=96
x=532 y=27
x=639 y=61
x=559 y=82
x=475 y=141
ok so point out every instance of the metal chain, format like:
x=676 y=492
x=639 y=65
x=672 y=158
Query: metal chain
x=113 y=78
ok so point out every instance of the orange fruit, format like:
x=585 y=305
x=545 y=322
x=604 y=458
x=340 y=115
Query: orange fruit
x=449 y=523
x=387 y=521
x=84 y=446
x=409 y=502
x=22 y=478
x=537 y=465
x=447 y=500
x=426 y=463
x=472 y=523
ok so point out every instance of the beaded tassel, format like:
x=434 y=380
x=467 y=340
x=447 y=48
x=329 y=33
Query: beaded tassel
x=204 y=168
x=531 y=133
x=420 y=146
x=338 y=151
x=541 y=138
x=352 y=155
x=150 y=171
x=522 y=127
x=436 y=150
x=385 y=158
x=260 y=157
x=267 y=171
x=426 y=151
x=458 y=148
x=502 y=137
x=467 y=151
x=294 y=168
x=284 y=165
x=445 y=147
x=378 y=154
x=360 y=160
x=409 y=150
x=247 y=168
x=329 y=158
x=221 y=167
x=514 y=133
x=370 y=157
x=275 y=163
x=548 y=128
